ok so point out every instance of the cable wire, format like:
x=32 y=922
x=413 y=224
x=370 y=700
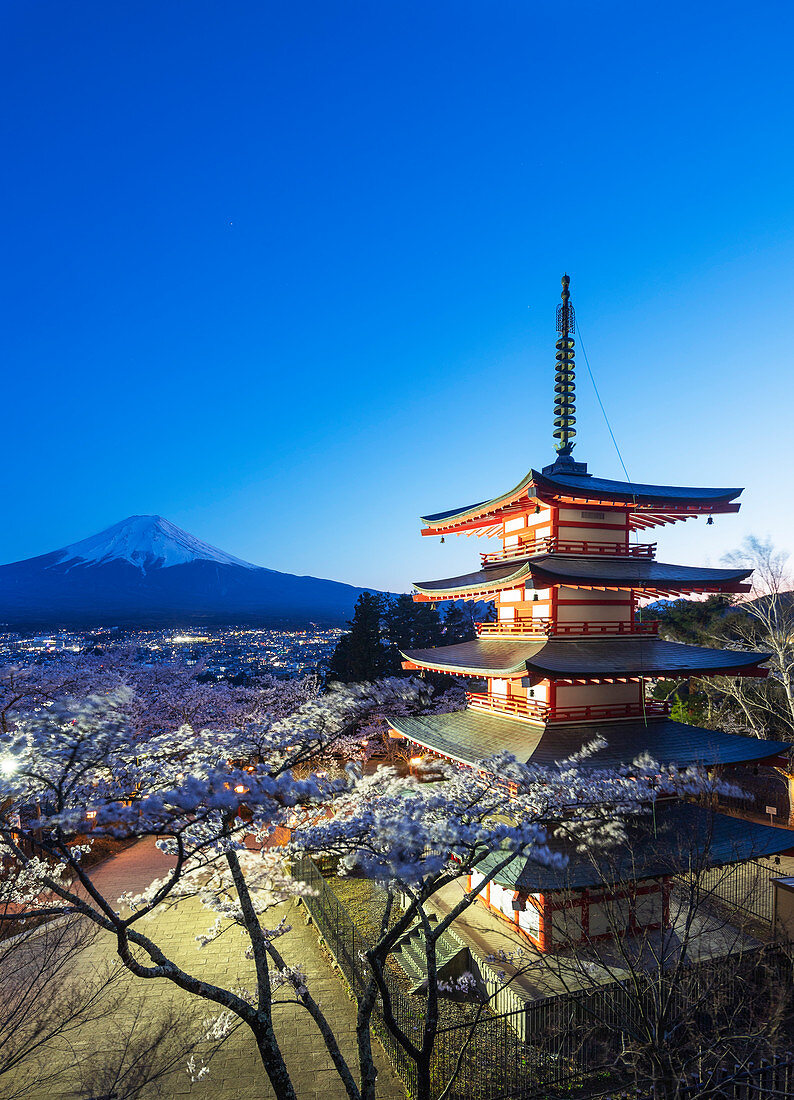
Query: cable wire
x=626 y=472
x=600 y=402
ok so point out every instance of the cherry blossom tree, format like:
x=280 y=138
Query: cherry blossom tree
x=70 y=770
x=215 y=798
x=417 y=838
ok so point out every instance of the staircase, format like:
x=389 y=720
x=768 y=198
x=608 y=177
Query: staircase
x=452 y=958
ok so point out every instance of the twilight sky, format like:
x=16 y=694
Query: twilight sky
x=286 y=273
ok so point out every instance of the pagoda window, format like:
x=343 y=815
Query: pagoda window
x=515 y=524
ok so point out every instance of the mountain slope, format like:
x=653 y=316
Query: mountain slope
x=146 y=571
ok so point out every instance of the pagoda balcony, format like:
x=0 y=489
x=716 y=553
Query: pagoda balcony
x=534 y=711
x=551 y=544
x=546 y=628
x=530 y=709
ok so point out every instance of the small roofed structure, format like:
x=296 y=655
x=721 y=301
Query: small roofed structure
x=565 y=662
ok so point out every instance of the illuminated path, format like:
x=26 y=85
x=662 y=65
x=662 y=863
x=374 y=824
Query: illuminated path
x=236 y=1071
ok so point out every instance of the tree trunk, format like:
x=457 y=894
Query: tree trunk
x=273 y=1061
x=664 y=1080
x=364 y=1038
x=423 y=1078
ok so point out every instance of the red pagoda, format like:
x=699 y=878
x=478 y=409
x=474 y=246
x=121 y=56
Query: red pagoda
x=567 y=659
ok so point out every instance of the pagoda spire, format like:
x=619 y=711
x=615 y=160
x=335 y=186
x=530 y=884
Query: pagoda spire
x=565 y=390
x=565 y=379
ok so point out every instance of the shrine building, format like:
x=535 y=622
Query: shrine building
x=567 y=659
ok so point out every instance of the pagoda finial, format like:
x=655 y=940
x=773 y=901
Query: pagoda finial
x=565 y=379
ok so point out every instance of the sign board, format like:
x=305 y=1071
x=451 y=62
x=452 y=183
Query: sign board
x=771 y=810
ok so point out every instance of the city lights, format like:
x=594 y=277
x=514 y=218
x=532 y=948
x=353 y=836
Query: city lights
x=225 y=652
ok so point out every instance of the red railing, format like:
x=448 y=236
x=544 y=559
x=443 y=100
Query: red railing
x=538 y=628
x=553 y=545
x=546 y=628
x=531 y=709
x=609 y=710
x=518 y=708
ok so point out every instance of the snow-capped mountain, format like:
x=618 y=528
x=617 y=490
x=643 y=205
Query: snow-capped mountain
x=147 y=571
x=147 y=542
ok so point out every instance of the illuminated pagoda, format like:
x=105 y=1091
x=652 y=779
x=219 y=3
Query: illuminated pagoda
x=567 y=658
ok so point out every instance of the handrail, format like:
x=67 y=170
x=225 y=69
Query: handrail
x=650 y=707
x=532 y=709
x=552 y=544
x=580 y=628
x=520 y=708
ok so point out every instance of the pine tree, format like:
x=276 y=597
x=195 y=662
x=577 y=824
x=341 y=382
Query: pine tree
x=400 y=617
x=362 y=654
x=428 y=631
x=459 y=624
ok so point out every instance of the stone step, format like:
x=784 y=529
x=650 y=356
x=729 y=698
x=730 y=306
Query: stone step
x=411 y=956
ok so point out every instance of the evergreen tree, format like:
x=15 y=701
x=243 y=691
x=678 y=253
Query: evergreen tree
x=428 y=630
x=362 y=654
x=400 y=619
x=459 y=623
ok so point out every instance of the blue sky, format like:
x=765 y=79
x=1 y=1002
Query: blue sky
x=286 y=273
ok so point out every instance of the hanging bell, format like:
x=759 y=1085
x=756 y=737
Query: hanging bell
x=442 y=540
x=709 y=521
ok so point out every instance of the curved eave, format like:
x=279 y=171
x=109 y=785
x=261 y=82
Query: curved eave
x=588 y=489
x=566 y=659
x=654 y=578
x=477 y=658
x=651 y=576
x=471 y=736
x=678 y=499
x=483 y=584
x=453 y=517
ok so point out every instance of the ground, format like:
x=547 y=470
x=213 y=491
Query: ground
x=236 y=1070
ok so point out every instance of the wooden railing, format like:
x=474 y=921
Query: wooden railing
x=650 y=709
x=518 y=708
x=550 y=544
x=539 y=628
x=531 y=709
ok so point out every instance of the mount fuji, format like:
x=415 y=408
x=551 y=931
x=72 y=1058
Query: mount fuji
x=146 y=571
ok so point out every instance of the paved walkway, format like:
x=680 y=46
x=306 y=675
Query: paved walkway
x=236 y=1071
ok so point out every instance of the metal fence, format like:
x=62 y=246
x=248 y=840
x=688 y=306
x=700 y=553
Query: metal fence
x=569 y=1044
x=347 y=944
x=771 y=1080
x=744 y=888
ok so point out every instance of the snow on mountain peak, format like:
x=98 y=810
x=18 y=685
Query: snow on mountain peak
x=148 y=542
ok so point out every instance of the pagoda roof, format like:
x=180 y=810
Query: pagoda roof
x=584 y=488
x=662 y=841
x=504 y=575
x=566 y=658
x=598 y=572
x=472 y=735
